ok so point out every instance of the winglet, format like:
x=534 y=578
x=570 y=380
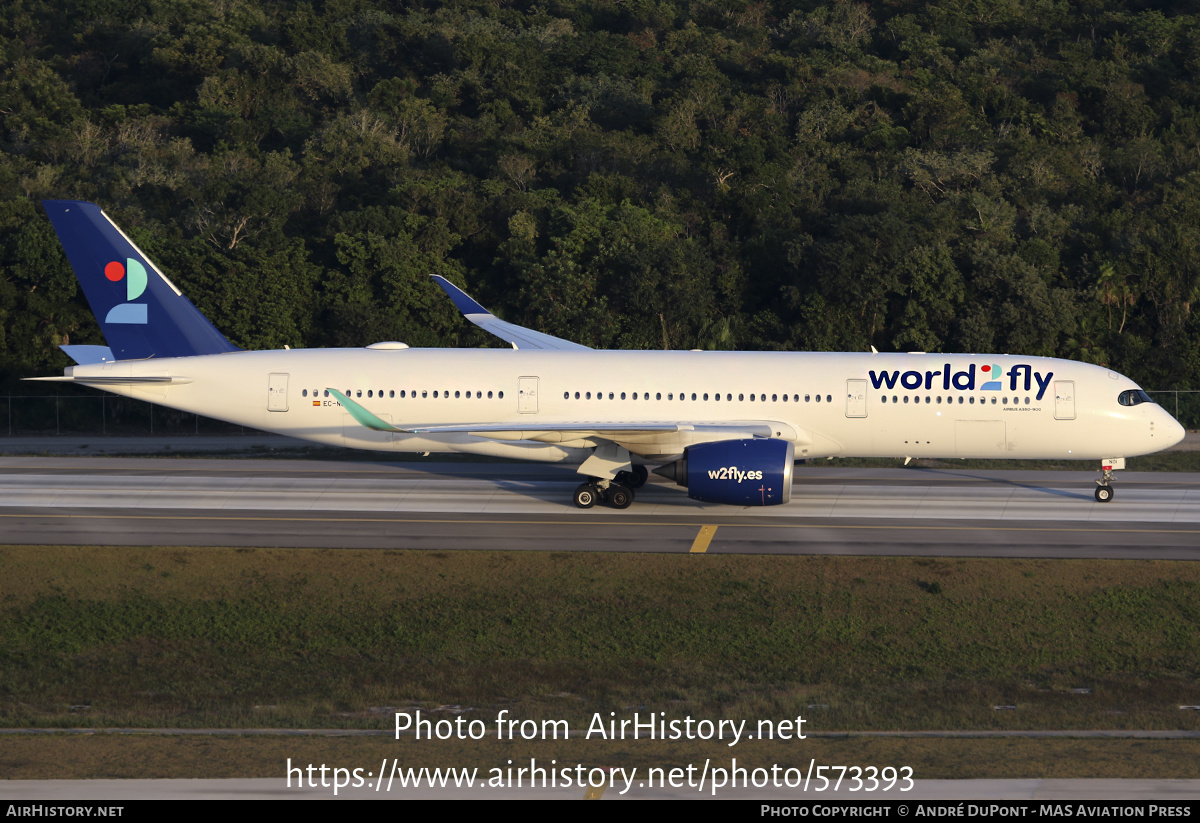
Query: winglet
x=518 y=336
x=462 y=300
x=361 y=415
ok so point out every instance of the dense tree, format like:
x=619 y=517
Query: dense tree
x=1020 y=175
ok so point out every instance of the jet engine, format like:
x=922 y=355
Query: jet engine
x=753 y=472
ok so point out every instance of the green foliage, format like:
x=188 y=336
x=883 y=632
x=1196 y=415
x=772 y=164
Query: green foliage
x=1019 y=176
x=894 y=643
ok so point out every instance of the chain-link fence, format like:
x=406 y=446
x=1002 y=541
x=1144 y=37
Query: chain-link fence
x=101 y=414
x=1184 y=404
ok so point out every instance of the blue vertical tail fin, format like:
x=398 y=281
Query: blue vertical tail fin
x=140 y=311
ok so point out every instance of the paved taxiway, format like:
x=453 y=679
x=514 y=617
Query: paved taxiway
x=448 y=506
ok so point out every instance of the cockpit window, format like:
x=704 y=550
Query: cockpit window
x=1133 y=397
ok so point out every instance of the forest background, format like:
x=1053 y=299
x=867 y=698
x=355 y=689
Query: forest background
x=1014 y=176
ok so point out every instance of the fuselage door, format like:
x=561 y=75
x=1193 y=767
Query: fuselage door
x=856 y=398
x=277 y=393
x=1064 y=400
x=527 y=395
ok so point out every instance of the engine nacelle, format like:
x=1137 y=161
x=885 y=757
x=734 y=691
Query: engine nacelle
x=755 y=472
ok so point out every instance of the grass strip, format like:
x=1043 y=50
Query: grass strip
x=108 y=756
x=244 y=638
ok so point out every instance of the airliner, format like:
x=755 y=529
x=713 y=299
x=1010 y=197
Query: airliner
x=726 y=426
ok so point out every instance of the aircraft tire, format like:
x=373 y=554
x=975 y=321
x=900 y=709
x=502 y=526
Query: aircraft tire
x=585 y=495
x=1104 y=494
x=620 y=497
x=638 y=477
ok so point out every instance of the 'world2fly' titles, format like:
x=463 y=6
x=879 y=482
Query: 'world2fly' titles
x=1021 y=377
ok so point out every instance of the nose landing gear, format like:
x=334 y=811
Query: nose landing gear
x=1104 y=489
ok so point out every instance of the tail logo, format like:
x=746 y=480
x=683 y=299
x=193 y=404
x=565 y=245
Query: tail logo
x=134 y=275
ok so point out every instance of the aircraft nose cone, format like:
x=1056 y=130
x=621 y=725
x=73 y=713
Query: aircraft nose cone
x=1173 y=432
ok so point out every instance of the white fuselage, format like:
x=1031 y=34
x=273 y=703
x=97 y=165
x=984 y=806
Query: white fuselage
x=828 y=404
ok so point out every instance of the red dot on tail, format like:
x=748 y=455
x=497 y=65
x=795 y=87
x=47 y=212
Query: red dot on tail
x=985 y=368
x=114 y=271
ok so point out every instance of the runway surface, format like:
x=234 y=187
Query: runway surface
x=464 y=506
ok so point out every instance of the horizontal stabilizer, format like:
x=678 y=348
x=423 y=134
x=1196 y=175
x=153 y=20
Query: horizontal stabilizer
x=114 y=381
x=88 y=355
x=517 y=336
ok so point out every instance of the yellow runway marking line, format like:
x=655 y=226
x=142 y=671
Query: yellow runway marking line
x=700 y=544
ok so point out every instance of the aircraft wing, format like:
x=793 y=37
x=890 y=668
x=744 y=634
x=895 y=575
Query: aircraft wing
x=641 y=436
x=606 y=429
x=638 y=436
x=518 y=336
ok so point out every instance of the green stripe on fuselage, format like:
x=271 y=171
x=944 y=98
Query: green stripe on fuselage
x=363 y=416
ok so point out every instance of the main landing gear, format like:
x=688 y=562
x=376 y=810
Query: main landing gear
x=611 y=478
x=617 y=495
x=1104 y=489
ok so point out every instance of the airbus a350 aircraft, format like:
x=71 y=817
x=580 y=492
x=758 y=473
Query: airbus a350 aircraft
x=728 y=426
